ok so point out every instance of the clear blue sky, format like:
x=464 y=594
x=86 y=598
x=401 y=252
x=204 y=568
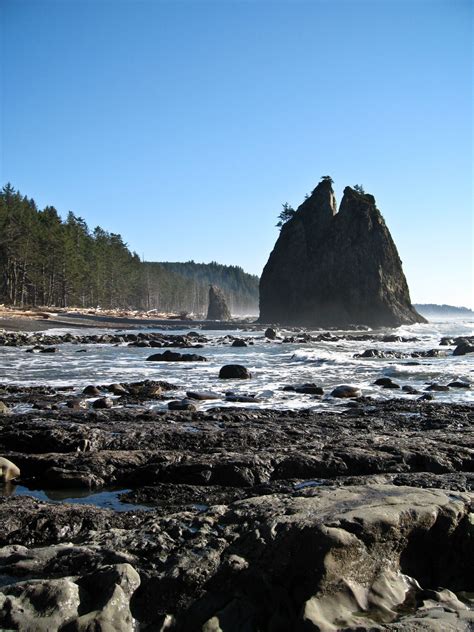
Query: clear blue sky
x=184 y=125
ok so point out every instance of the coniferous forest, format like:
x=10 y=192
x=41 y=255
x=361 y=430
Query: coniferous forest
x=50 y=262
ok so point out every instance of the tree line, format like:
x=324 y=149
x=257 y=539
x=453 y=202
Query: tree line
x=51 y=262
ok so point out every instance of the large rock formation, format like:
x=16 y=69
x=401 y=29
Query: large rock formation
x=332 y=268
x=218 y=309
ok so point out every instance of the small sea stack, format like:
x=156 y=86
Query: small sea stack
x=218 y=308
x=335 y=268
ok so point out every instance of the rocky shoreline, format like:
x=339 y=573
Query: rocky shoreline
x=245 y=520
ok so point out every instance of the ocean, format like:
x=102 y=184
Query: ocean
x=273 y=365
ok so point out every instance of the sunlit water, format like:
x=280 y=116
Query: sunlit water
x=273 y=365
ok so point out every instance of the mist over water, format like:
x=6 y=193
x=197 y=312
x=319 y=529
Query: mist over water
x=273 y=365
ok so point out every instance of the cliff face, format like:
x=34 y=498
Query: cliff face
x=218 y=309
x=332 y=268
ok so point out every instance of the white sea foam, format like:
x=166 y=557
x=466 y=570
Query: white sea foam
x=273 y=365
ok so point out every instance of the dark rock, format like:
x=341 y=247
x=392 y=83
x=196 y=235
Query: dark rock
x=332 y=268
x=309 y=389
x=77 y=404
x=218 y=309
x=318 y=557
x=426 y=398
x=386 y=382
x=243 y=399
x=117 y=389
x=103 y=402
x=409 y=389
x=202 y=395
x=234 y=371
x=239 y=342
x=270 y=333
x=91 y=391
x=182 y=404
x=61 y=478
x=459 y=384
x=463 y=348
x=172 y=356
x=437 y=387
x=344 y=391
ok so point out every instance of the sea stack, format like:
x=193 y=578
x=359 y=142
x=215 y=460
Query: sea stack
x=334 y=268
x=218 y=309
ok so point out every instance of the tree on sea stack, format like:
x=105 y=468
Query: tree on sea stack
x=335 y=268
x=218 y=309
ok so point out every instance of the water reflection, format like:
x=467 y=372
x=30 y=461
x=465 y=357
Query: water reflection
x=105 y=499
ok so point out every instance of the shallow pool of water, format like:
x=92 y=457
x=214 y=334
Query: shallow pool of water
x=105 y=499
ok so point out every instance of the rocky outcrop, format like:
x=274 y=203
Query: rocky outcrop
x=218 y=309
x=336 y=268
x=361 y=557
x=255 y=520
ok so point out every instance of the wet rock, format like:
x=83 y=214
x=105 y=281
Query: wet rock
x=170 y=356
x=441 y=388
x=239 y=342
x=463 y=348
x=39 y=605
x=98 y=601
x=103 y=402
x=345 y=390
x=243 y=399
x=118 y=389
x=386 y=382
x=182 y=404
x=234 y=371
x=409 y=389
x=91 y=391
x=77 y=404
x=307 y=389
x=426 y=398
x=270 y=333
x=62 y=478
x=202 y=395
x=459 y=384
x=378 y=353
x=319 y=556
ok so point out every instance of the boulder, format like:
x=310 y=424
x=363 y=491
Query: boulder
x=218 y=309
x=463 y=348
x=172 y=356
x=98 y=601
x=270 y=333
x=239 y=342
x=437 y=387
x=91 y=390
x=103 y=402
x=386 y=382
x=202 y=395
x=234 y=372
x=345 y=391
x=182 y=404
x=336 y=268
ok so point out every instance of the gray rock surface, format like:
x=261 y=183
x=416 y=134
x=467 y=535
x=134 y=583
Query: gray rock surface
x=332 y=268
x=245 y=520
x=322 y=558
